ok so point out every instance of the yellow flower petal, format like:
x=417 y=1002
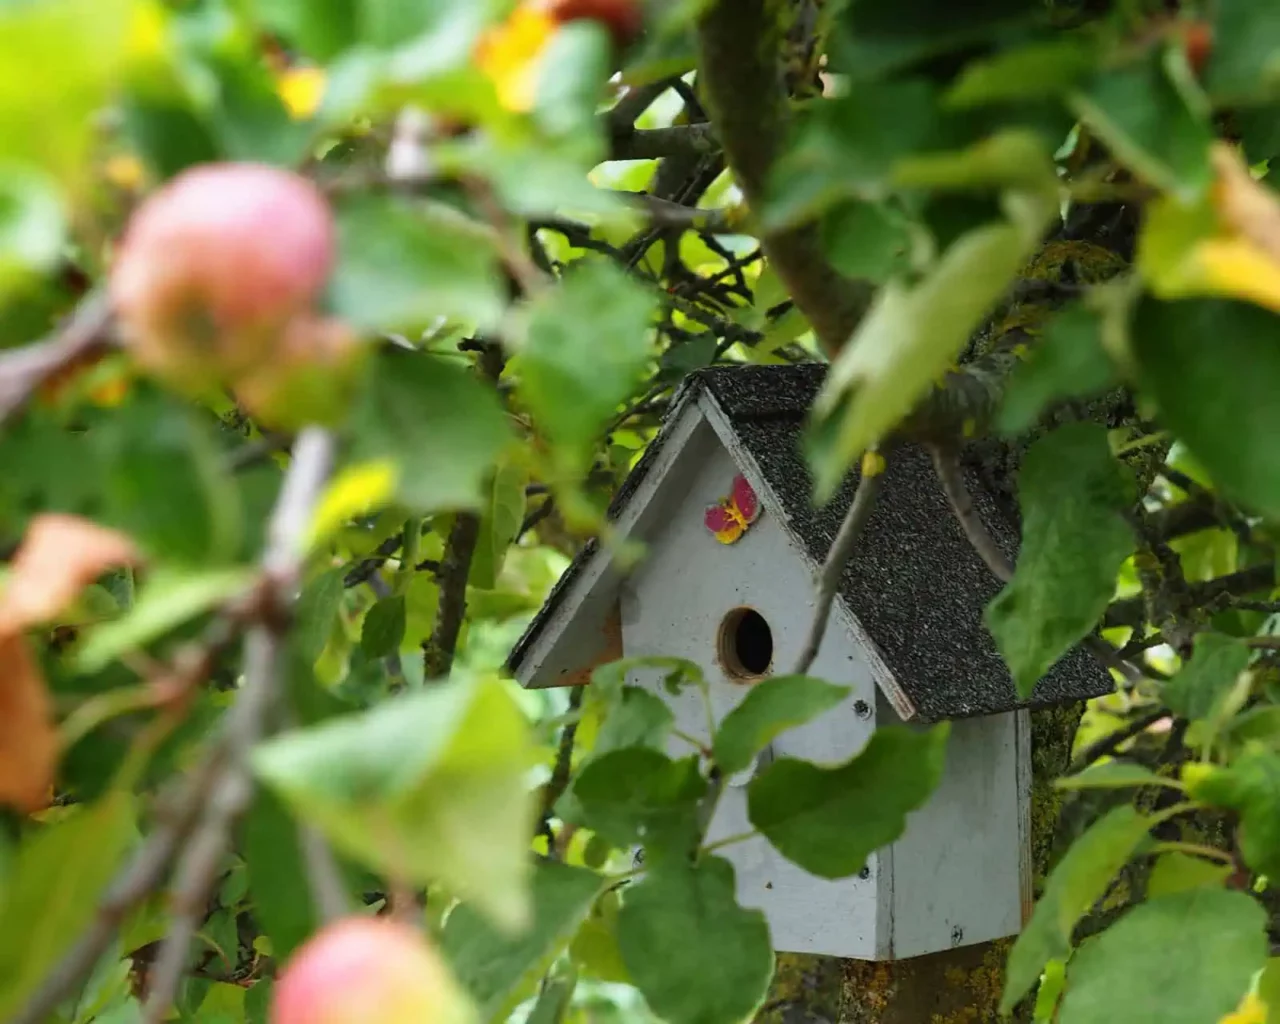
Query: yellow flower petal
x=301 y=89
x=508 y=55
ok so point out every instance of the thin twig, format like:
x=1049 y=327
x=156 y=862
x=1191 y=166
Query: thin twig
x=24 y=370
x=562 y=770
x=855 y=519
x=264 y=667
x=1111 y=742
x=143 y=875
x=951 y=476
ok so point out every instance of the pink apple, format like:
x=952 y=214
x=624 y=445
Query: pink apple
x=368 y=970
x=215 y=264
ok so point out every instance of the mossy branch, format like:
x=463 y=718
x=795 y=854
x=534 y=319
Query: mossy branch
x=739 y=43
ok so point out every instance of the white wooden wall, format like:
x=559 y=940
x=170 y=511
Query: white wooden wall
x=674 y=605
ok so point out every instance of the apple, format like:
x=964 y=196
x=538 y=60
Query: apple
x=364 y=969
x=215 y=264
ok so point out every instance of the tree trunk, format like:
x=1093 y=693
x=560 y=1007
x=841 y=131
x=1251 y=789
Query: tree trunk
x=960 y=986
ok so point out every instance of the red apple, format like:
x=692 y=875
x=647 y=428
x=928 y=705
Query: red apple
x=215 y=264
x=366 y=969
x=624 y=18
x=310 y=379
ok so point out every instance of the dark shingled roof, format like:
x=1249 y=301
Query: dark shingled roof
x=914 y=581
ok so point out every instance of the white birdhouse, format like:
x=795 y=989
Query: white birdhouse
x=906 y=635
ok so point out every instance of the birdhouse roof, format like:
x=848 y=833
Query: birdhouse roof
x=913 y=583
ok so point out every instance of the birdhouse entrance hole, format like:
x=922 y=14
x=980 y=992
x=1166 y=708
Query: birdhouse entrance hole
x=745 y=644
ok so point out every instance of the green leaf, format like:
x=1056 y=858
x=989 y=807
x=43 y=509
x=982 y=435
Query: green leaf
x=282 y=902
x=635 y=718
x=440 y=425
x=846 y=148
x=59 y=60
x=1140 y=114
x=911 y=336
x=865 y=240
x=1250 y=785
x=503 y=516
x=1075 y=884
x=1074 y=540
x=830 y=820
x=314 y=613
x=1217 y=397
x=1244 y=63
x=1188 y=958
x=169 y=597
x=1204 y=681
x=53 y=887
x=695 y=955
x=576 y=65
x=1114 y=775
x=1181 y=872
x=167 y=484
x=879 y=37
x=383 y=629
x=1040 y=69
x=403 y=264
x=319 y=28
x=587 y=346
x=1068 y=360
x=637 y=794
x=769 y=709
x=426 y=787
x=497 y=969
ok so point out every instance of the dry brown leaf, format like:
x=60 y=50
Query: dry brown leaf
x=59 y=556
x=1245 y=205
x=28 y=738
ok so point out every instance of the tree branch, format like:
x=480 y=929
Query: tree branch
x=658 y=143
x=24 y=370
x=232 y=791
x=1132 y=611
x=855 y=519
x=739 y=45
x=455 y=567
x=951 y=476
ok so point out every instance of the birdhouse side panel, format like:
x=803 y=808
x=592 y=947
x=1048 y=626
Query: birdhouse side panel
x=740 y=608
x=959 y=867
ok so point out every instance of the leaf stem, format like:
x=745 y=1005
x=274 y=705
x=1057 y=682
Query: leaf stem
x=733 y=840
x=1195 y=849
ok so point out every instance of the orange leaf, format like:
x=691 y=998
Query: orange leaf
x=1246 y=206
x=28 y=739
x=60 y=555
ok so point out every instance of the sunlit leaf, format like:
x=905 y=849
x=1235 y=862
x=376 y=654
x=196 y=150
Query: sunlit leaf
x=52 y=890
x=1074 y=885
x=424 y=787
x=911 y=336
x=167 y=599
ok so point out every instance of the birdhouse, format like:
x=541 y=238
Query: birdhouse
x=733 y=591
